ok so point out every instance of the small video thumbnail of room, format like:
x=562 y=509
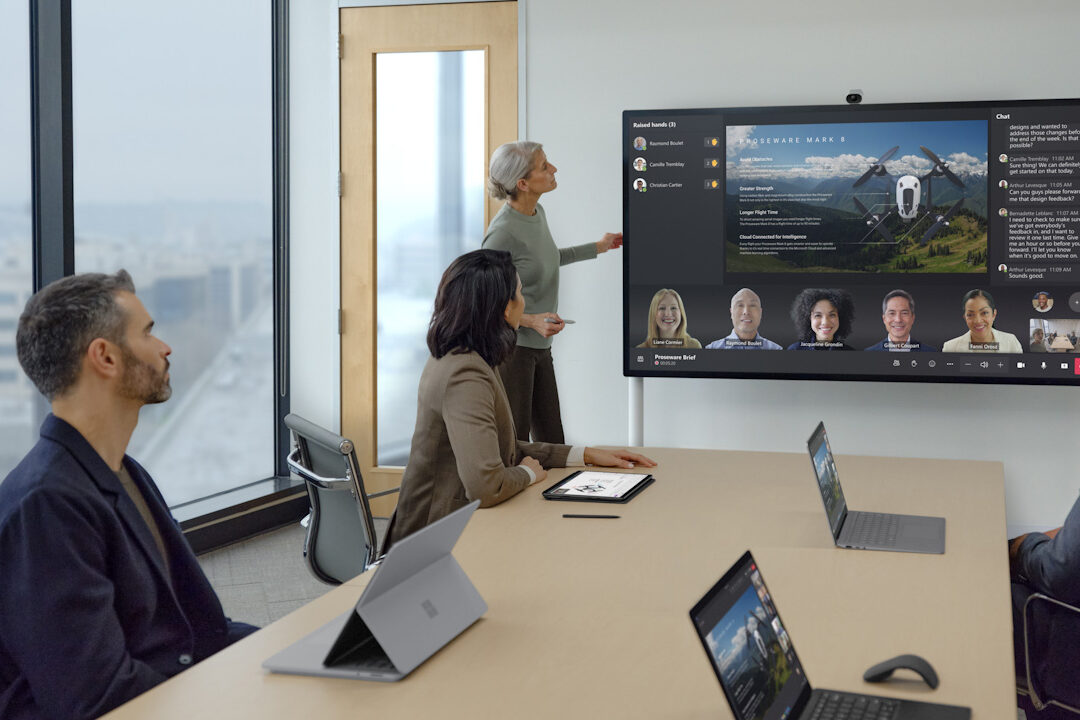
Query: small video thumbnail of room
x=1053 y=336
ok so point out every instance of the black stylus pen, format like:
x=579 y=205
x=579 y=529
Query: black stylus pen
x=597 y=517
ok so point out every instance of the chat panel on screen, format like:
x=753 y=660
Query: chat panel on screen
x=1036 y=166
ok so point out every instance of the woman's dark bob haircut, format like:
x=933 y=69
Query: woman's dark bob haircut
x=470 y=307
x=808 y=298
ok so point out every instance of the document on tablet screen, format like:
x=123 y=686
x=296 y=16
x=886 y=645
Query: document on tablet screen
x=592 y=484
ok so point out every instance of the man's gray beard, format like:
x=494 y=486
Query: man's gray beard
x=141 y=382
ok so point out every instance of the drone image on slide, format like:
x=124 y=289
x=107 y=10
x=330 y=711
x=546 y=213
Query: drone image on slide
x=908 y=191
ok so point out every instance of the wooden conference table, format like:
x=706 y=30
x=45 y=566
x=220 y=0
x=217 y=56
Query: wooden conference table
x=589 y=618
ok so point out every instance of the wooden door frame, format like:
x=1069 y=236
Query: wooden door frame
x=522 y=16
x=379 y=478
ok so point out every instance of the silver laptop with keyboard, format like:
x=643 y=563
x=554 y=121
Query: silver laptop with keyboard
x=759 y=671
x=867 y=530
x=418 y=600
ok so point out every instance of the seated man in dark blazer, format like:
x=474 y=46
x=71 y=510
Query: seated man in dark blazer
x=101 y=597
x=1049 y=563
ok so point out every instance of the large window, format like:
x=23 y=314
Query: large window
x=18 y=424
x=173 y=181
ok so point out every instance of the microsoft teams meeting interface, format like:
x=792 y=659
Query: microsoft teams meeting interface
x=750 y=649
x=933 y=241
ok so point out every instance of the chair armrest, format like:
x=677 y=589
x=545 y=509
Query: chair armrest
x=293 y=461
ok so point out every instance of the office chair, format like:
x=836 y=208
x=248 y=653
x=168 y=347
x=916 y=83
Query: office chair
x=1051 y=653
x=341 y=541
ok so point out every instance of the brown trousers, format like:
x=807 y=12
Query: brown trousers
x=529 y=378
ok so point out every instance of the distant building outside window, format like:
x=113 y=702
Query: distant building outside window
x=173 y=182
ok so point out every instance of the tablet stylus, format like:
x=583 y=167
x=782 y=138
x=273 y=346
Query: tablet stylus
x=598 y=517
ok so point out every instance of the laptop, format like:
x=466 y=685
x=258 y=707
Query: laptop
x=418 y=600
x=866 y=530
x=755 y=661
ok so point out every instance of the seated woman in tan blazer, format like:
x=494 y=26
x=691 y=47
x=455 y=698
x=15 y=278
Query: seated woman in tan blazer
x=464 y=447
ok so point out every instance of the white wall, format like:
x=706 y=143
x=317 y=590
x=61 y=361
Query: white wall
x=588 y=61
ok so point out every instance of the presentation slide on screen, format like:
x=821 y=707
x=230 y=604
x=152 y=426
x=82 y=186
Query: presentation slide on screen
x=857 y=197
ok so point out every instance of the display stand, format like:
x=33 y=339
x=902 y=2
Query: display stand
x=636 y=400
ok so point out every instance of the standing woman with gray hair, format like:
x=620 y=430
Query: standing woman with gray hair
x=520 y=173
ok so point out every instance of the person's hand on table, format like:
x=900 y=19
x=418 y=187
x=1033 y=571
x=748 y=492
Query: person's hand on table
x=534 y=465
x=616 y=458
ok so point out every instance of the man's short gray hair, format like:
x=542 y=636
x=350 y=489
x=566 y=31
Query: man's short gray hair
x=61 y=320
x=509 y=163
x=900 y=294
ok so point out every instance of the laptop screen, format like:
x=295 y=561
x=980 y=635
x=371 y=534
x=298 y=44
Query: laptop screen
x=748 y=646
x=827 y=478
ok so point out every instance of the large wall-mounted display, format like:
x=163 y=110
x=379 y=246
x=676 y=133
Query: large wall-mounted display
x=933 y=242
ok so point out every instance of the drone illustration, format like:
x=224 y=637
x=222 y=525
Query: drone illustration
x=908 y=196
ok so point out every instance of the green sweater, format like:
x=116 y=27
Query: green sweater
x=537 y=259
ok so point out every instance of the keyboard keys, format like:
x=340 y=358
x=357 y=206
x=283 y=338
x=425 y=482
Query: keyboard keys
x=875 y=529
x=846 y=706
